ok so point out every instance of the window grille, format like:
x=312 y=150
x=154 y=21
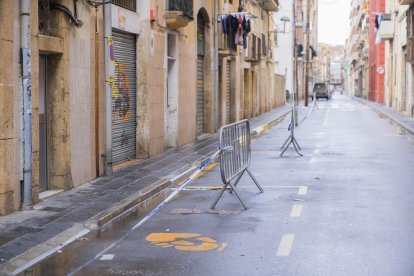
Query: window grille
x=186 y=6
x=44 y=17
x=126 y=4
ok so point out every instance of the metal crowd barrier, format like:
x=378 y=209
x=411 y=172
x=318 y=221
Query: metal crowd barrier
x=235 y=156
x=291 y=139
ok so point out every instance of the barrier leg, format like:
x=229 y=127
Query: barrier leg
x=285 y=143
x=296 y=149
x=219 y=196
x=296 y=142
x=238 y=179
x=241 y=201
x=255 y=181
x=286 y=147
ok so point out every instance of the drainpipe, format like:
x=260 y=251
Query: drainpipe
x=27 y=101
x=216 y=68
x=108 y=90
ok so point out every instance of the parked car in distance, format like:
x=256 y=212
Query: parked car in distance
x=320 y=90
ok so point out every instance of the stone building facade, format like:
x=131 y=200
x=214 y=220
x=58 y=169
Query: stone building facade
x=387 y=53
x=114 y=84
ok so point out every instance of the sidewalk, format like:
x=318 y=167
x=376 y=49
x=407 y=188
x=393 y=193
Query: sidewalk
x=28 y=236
x=398 y=118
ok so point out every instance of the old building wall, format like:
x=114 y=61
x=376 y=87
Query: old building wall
x=10 y=108
x=187 y=93
x=156 y=96
x=280 y=98
x=82 y=81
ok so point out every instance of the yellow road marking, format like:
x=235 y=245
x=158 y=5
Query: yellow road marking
x=185 y=241
x=206 y=169
x=223 y=245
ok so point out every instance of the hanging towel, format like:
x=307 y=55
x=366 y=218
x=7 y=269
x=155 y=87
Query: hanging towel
x=239 y=34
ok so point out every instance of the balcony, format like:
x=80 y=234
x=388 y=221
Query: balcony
x=406 y=2
x=178 y=13
x=269 y=5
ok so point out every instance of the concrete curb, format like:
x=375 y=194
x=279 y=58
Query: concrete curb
x=40 y=252
x=258 y=131
x=389 y=116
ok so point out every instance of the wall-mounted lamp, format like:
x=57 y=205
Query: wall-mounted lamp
x=284 y=19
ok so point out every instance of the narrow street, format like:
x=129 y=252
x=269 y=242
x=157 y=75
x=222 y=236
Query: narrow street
x=345 y=208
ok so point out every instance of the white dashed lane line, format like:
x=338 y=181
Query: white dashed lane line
x=107 y=257
x=303 y=190
x=296 y=211
x=285 y=245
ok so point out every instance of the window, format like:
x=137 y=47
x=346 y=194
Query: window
x=264 y=45
x=44 y=17
x=126 y=4
x=186 y=6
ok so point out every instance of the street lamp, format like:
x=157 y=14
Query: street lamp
x=284 y=19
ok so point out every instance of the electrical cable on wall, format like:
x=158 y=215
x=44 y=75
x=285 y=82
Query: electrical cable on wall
x=73 y=16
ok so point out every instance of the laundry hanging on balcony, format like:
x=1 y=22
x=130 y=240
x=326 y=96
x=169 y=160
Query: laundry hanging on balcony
x=237 y=25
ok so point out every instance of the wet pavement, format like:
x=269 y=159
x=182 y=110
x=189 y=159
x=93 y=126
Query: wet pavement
x=345 y=208
x=28 y=236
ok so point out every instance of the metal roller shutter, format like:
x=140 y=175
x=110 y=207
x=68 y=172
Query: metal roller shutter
x=124 y=97
x=228 y=94
x=200 y=95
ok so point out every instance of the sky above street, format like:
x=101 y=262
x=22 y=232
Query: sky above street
x=334 y=21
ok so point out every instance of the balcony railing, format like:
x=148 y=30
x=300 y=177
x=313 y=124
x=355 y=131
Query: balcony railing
x=126 y=4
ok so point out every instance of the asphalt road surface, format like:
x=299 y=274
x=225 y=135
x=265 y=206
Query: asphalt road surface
x=345 y=208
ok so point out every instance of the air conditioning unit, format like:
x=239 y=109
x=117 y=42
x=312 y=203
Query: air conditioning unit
x=387 y=29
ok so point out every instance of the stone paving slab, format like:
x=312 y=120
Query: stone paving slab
x=95 y=203
x=399 y=118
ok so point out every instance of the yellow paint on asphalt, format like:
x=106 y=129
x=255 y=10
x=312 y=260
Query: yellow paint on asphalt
x=206 y=169
x=185 y=241
x=285 y=245
x=223 y=245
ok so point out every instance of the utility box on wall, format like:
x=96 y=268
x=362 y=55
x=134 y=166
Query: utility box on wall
x=387 y=29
